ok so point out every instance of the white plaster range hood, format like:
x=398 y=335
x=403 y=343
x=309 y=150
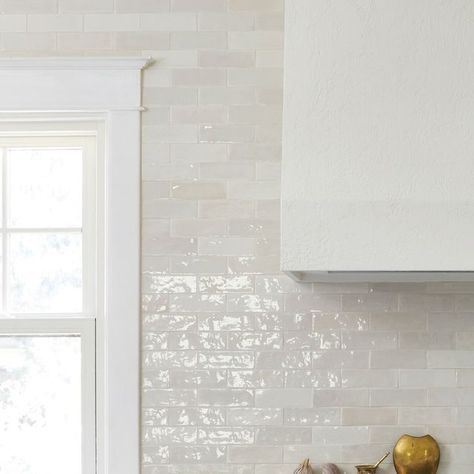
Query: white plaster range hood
x=378 y=142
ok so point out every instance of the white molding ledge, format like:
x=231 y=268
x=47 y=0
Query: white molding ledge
x=64 y=84
x=65 y=63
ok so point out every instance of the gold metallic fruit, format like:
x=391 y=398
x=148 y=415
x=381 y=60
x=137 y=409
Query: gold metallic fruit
x=416 y=455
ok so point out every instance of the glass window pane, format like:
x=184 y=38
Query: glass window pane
x=45 y=273
x=40 y=405
x=44 y=187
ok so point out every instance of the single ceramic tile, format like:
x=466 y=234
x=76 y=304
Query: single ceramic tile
x=225 y=134
x=226 y=436
x=226 y=397
x=225 y=284
x=197 y=378
x=169 y=322
x=28 y=41
x=341 y=398
x=450 y=359
x=198 y=40
x=373 y=340
x=264 y=341
x=426 y=302
x=464 y=340
x=226 y=95
x=255 y=416
x=398 y=359
x=398 y=397
x=79 y=6
x=256 y=378
x=202 y=77
x=273 y=435
x=196 y=303
x=312 y=302
x=197 y=454
x=374 y=302
x=197 y=153
x=226 y=360
x=312 y=416
x=267 y=40
x=284 y=398
x=156 y=435
x=256 y=5
x=111 y=22
x=398 y=321
x=198 y=227
x=46 y=22
x=226 y=58
x=139 y=6
x=451 y=322
x=369 y=378
x=255 y=228
x=168 y=22
x=199 y=114
x=341 y=359
x=284 y=360
x=153 y=360
x=255 y=303
x=199 y=5
x=192 y=341
x=424 y=415
x=273 y=59
x=254 y=265
x=256 y=77
x=369 y=416
x=313 y=340
x=428 y=340
x=92 y=41
x=465 y=377
x=255 y=151
x=226 y=322
x=424 y=378
x=312 y=378
x=323 y=435
x=227 y=246
x=447 y=396
x=208 y=264
x=156 y=283
x=255 y=454
x=209 y=21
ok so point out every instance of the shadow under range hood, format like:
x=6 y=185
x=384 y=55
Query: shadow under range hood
x=378 y=142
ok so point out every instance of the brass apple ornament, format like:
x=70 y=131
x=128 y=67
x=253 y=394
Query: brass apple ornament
x=416 y=455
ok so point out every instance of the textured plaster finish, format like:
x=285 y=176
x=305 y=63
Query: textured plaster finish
x=378 y=142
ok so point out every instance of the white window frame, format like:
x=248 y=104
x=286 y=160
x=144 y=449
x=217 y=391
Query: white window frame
x=73 y=93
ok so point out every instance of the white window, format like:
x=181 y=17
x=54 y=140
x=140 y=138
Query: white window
x=69 y=253
x=50 y=273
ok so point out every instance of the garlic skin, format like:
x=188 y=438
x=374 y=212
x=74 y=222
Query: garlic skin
x=304 y=468
x=330 y=469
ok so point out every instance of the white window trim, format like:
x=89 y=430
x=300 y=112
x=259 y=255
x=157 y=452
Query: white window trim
x=106 y=91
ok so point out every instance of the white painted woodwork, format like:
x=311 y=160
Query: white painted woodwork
x=100 y=96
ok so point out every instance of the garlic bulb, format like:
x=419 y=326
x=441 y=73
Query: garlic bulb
x=330 y=469
x=304 y=468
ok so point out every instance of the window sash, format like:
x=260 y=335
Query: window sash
x=85 y=329
x=90 y=214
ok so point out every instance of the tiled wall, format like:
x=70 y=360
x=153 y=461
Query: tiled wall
x=245 y=372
